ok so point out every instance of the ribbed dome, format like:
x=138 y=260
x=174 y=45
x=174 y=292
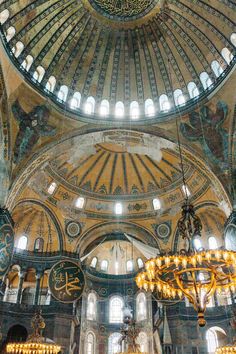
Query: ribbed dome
x=121 y=51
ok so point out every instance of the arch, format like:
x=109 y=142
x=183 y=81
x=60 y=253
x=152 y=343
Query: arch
x=90 y=343
x=92 y=306
x=113 y=343
x=140 y=263
x=116 y=305
x=62 y=93
x=130 y=265
x=17 y=333
x=89 y=105
x=233 y=39
x=28 y=295
x=141 y=307
x=216 y=68
x=51 y=83
x=94 y=262
x=104 y=108
x=75 y=101
x=119 y=109
x=212 y=243
x=193 y=90
x=164 y=103
x=38 y=244
x=142 y=340
x=104 y=265
x=134 y=110
x=212 y=338
x=205 y=80
x=22 y=243
x=227 y=55
x=19 y=47
x=26 y=64
x=149 y=107
x=39 y=73
x=4 y=15
x=10 y=33
x=179 y=97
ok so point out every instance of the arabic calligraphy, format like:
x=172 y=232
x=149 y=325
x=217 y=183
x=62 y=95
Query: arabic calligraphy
x=66 y=281
x=125 y=8
x=6 y=247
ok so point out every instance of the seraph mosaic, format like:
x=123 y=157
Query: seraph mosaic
x=206 y=126
x=32 y=126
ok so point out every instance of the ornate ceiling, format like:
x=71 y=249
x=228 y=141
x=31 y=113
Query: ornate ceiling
x=121 y=51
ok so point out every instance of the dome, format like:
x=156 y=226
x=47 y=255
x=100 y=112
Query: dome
x=122 y=59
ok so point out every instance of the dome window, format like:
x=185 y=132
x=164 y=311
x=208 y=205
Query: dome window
x=89 y=106
x=80 y=202
x=22 y=243
x=212 y=243
x=227 y=55
x=156 y=204
x=94 y=262
x=186 y=191
x=118 y=209
x=216 y=68
x=104 y=108
x=164 y=103
x=119 y=109
x=39 y=74
x=233 y=39
x=38 y=245
x=134 y=110
x=26 y=64
x=62 y=93
x=18 y=49
x=193 y=90
x=52 y=188
x=4 y=15
x=75 y=101
x=10 y=33
x=149 y=107
x=205 y=80
x=50 y=85
x=179 y=97
x=104 y=265
x=140 y=263
x=129 y=265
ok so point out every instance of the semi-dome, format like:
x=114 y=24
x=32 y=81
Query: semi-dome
x=121 y=58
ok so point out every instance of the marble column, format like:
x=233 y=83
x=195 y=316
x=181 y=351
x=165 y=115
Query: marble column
x=37 y=288
x=20 y=286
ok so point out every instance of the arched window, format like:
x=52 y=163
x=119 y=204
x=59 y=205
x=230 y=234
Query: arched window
x=129 y=265
x=22 y=243
x=164 y=103
x=156 y=204
x=179 y=97
x=193 y=90
x=118 y=209
x=10 y=33
x=89 y=106
x=224 y=298
x=119 y=109
x=90 y=343
x=104 y=108
x=52 y=188
x=113 y=343
x=116 y=309
x=149 y=107
x=212 y=243
x=75 y=101
x=18 y=49
x=39 y=73
x=62 y=93
x=91 y=307
x=134 y=110
x=142 y=340
x=80 y=202
x=38 y=244
x=50 y=85
x=94 y=262
x=26 y=64
x=104 y=265
x=140 y=263
x=4 y=15
x=205 y=80
x=197 y=243
x=217 y=69
x=227 y=55
x=233 y=39
x=141 y=307
x=212 y=338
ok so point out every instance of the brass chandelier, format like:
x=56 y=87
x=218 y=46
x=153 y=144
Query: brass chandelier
x=35 y=344
x=227 y=349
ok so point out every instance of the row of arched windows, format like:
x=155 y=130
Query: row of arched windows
x=116 y=305
x=38 y=244
x=104 y=264
x=212 y=243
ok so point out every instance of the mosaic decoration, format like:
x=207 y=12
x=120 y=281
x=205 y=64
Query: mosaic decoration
x=6 y=241
x=32 y=126
x=66 y=281
x=73 y=229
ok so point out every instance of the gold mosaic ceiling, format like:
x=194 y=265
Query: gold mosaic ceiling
x=81 y=43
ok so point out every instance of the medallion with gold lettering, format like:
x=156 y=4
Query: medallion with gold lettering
x=6 y=241
x=66 y=281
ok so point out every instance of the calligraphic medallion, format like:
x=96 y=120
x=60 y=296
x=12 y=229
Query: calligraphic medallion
x=66 y=281
x=6 y=241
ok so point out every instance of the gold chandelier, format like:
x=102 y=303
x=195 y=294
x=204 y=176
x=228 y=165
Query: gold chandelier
x=35 y=344
x=226 y=349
